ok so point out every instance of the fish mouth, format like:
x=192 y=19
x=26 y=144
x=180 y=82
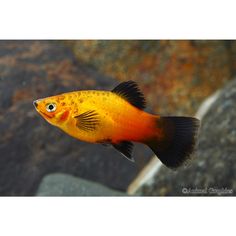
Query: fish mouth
x=35 y=104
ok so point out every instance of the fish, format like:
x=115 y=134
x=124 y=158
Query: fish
x=118 y=118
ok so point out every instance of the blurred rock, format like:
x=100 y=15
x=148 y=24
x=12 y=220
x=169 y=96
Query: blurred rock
x=176 y=75
x=67 y=185
x=30 y=147
x=213 y=170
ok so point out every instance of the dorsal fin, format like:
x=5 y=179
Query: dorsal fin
x=130 y=92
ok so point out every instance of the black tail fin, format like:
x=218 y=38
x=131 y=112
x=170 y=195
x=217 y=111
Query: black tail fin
x=178 y=142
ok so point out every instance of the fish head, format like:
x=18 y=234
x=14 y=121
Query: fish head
x=53 y=109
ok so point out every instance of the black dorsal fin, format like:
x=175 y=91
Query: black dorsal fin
x=130 y=91
x=125 y=148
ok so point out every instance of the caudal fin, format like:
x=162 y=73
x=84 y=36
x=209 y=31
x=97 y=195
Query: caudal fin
x=178 y=142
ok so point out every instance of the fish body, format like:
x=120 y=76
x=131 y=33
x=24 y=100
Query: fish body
x=117 y=118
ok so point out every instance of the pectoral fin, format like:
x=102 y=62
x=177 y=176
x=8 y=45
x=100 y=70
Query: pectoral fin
x=88 y=121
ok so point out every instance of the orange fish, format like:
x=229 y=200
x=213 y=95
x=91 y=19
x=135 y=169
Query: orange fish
x=117 y=118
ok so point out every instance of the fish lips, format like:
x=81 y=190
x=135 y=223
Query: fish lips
x=36 y=102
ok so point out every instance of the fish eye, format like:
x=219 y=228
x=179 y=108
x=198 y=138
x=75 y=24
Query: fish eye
x=51 y=107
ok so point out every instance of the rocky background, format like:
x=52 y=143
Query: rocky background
x=175 y=76
x=213 y=169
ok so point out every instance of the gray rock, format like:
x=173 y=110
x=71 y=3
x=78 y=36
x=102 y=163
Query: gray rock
x=66 y=185
x=213 y=168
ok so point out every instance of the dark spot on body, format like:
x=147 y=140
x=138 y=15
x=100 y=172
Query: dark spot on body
x=63 y=104
x=81 y=100
x=61 y=97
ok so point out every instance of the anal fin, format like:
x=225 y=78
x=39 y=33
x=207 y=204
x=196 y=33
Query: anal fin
x=125 y=148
